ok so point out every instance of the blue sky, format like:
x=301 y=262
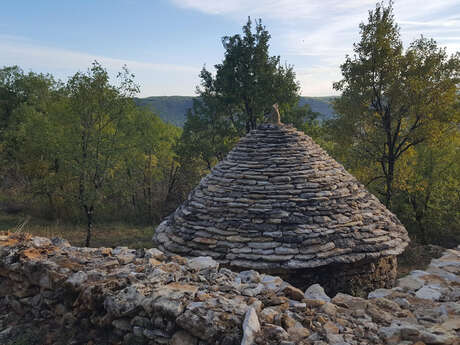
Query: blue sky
x=166 y=42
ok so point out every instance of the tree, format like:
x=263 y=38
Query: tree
x=26 y=101
x=98 y=114
x=9 y=94
x=149 y=173
x=249 y=80
x=208 y=134
x=234 y=101
x=34 y=141
x=429 y=187
x=18 y=88
x=390 y=98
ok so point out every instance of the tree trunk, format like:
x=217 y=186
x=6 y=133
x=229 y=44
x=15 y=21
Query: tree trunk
x=253 y=122
x=389 y=182
x=51 y=205
x=150 y=200
x=89 y=228
x=419 y=219
x=248 y=126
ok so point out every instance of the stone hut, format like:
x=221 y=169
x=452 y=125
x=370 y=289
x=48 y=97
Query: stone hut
x=280 y=204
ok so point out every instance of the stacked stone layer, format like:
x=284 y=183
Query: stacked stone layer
x=279 y=201
x=53 y=293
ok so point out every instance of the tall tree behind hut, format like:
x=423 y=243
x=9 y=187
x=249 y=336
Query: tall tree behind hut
x=234 y=101
x=392 y=100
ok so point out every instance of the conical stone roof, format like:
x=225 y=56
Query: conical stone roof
x=278 y=201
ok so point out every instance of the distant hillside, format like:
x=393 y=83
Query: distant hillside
x=172 y=109
x=321 y=105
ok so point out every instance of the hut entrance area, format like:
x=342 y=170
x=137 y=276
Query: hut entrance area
x=279 y=204
x=356 y=279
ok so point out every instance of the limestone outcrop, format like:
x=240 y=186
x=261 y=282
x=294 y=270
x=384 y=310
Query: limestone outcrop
x=278 y=203
x=88 y=296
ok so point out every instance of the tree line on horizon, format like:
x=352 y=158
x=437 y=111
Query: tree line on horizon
x=173 y=109
x=82 y=151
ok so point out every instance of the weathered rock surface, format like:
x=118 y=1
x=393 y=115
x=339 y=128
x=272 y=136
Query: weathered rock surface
x=278 y=201
x=316 y=292
x=251 y=326
x=121 y=296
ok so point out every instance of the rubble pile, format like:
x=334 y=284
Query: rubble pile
x=126 y=296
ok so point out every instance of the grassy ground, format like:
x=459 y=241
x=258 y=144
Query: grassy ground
x=104 y=235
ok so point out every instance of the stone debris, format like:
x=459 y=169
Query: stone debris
x=278 y=201
x=98 y=296
x=251 y=326
x=316 y=292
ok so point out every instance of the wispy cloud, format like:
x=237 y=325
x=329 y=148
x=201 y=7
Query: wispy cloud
x=317 y=80
x=325 y=30
x=452 y=23
x=175 y=79
x=279 y=9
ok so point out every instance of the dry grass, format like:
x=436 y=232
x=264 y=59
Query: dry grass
x=104 y=235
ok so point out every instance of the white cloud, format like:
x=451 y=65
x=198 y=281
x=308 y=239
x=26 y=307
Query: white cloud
x=279 y=9
x=326 y=30
x=454 y=23
x=213 y=7
x=155 y=78
x=317 y=80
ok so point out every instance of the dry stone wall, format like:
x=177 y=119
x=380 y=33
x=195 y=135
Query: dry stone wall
x=71 y=295
x=278 y=201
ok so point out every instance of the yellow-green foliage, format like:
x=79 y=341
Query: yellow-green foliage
x=397 y=128
x=82 y=150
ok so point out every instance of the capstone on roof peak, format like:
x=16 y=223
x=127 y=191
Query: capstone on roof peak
x=274 y=116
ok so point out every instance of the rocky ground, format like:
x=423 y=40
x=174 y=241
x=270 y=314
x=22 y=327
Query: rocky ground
x=53 y=293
